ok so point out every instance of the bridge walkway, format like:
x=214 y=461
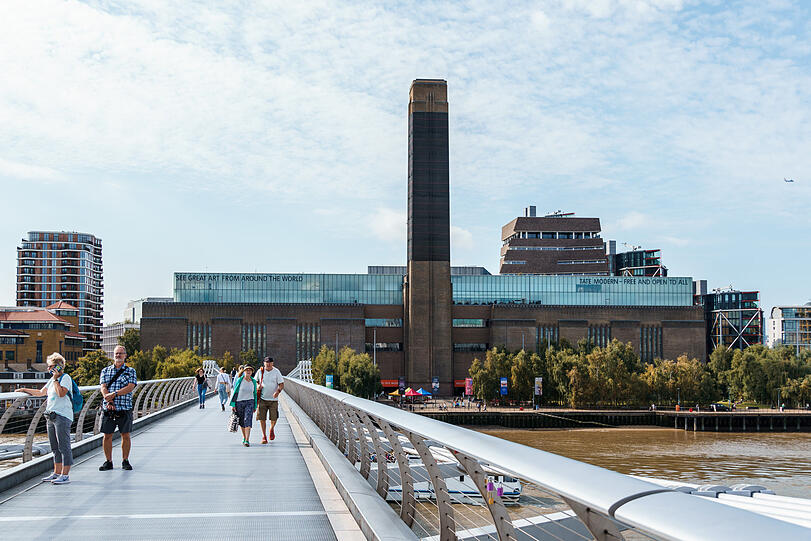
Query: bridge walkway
x=192 y=479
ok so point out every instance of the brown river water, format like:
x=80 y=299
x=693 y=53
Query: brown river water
x=779 y=461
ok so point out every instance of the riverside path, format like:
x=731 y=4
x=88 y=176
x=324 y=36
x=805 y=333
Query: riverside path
x=192 y=479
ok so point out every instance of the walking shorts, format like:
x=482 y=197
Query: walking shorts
x=116 y=418
x=268 y=406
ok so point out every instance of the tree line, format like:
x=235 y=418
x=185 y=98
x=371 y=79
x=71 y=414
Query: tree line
x=584 y=375
x=352 y=372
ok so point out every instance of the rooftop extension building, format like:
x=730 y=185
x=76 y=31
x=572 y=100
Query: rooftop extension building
x=555 y=244
x=791 y=326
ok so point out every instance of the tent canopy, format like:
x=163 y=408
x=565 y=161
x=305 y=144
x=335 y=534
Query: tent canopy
x=412 y=392
x=423 y=392
x=395 y=393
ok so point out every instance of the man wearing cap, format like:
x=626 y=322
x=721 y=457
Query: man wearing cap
x=271 y=384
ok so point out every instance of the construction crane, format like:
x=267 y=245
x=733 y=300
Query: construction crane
x=631 y=246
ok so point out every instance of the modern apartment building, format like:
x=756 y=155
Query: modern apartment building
x=636 y=262
x=555 y=244
x=791 y=326
x=734 y=318
x=55 y=266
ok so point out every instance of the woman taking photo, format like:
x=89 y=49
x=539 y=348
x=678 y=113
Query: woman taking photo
x=59 y=416
x=243 y=401
x=202 y=386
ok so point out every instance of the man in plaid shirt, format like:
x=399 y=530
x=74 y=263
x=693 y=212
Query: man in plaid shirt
x=117 y=393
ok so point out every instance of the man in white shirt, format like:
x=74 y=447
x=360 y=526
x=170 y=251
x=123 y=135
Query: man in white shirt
x=223 y=386
x=271 y=383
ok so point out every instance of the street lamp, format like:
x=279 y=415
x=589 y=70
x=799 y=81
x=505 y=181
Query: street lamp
x=678 y=396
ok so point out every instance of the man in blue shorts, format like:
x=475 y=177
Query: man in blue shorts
x=117 y=382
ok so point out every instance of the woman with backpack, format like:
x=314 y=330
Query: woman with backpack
x=59 y=415
x=202 y=386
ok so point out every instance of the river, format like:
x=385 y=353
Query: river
x=779 y=461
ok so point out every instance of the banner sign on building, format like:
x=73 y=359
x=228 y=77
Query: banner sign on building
x=503 y=386
x=328 y=377
x=538 y=386
x=389 y=382
x=469 y=386
x=402 y=384
x=435 y=384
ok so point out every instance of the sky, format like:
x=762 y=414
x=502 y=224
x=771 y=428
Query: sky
x=272 y=136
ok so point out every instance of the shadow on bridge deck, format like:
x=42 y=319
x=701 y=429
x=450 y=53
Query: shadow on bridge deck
x=192 y=479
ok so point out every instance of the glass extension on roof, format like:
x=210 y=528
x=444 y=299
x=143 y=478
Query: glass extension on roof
x=573 y=290
x=288 y=288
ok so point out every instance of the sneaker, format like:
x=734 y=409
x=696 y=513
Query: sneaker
x=246 y=443
x=106 y=466
x=125 y=465
x=51 y=477
x=203 y=406
x=61 y=480
x=223 y=406
x=272 y=435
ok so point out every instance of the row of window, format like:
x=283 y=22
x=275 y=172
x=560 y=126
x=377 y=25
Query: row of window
x=70 y=237
x=555 y=248
x=9 y=355
x=254 y=336
x=470 y=323
x=383 y=322
x=556 y=235
x=470 y=347
x=198 y=335
x=308 y=341
x=650 y=343
x=27 y=326
x=581 y=261
x=12 y=340
x=383 y=346
x=514 y=262
x=599 y=335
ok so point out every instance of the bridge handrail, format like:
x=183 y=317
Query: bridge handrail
x=11 y=395
x=592 y=492
x=149 y=396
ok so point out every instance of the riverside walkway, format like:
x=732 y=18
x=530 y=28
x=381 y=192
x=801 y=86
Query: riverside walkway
x=192 y=479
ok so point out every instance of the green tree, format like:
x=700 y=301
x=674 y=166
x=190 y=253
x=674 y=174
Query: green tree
x=131 y=340
x=522 y=376
x=143 y=364
x=249 y=358
x=362 y=377
x=228 y=362
x=87 y=369
x=485 y=380
x=179 y=363
x=323 y=364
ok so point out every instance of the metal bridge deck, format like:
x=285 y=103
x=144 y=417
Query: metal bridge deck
x=192 y=479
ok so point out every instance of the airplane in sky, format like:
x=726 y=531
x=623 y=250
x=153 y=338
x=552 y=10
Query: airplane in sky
x=788 y=179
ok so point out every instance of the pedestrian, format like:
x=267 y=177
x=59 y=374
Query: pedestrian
x=202 y=386
x=271 y=384
x=59 y=416
x=243 y=401
x=117 y=382
x=223 y=386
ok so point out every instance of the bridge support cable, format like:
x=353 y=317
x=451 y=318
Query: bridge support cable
x=499 y=514
x=408 y=501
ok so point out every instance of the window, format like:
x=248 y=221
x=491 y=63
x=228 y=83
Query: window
x=383 y=322
x=549 y=235
x=515 y=262
x=9 y=355
x=578 y=235
x=565 y=235
x=470 y=347
x=383 y=346
x=470 y=323
x=533 y=235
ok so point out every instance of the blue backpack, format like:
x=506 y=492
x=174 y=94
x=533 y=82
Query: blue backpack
x=76 y=397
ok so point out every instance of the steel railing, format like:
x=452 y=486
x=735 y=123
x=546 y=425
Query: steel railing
x=23 y=420
x=448 y=482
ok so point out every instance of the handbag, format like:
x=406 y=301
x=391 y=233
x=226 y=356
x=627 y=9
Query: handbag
x=233 y=423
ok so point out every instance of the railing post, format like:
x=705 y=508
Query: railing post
x=447 y=524
x=501 y=518
x=600 y=526
x=343 y=432
x=353 y=434
x=137 y=406
x=148 y=401
x=382 y=465
x=28 y=452
x=362 y=449
x=83 y=414
x=10 y=410
x=408 y=503
x=162 y=396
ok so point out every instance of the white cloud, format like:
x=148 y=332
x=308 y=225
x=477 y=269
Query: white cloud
x=26 y=171
x=461 y=239
x=633 y=220
x=388 y=225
